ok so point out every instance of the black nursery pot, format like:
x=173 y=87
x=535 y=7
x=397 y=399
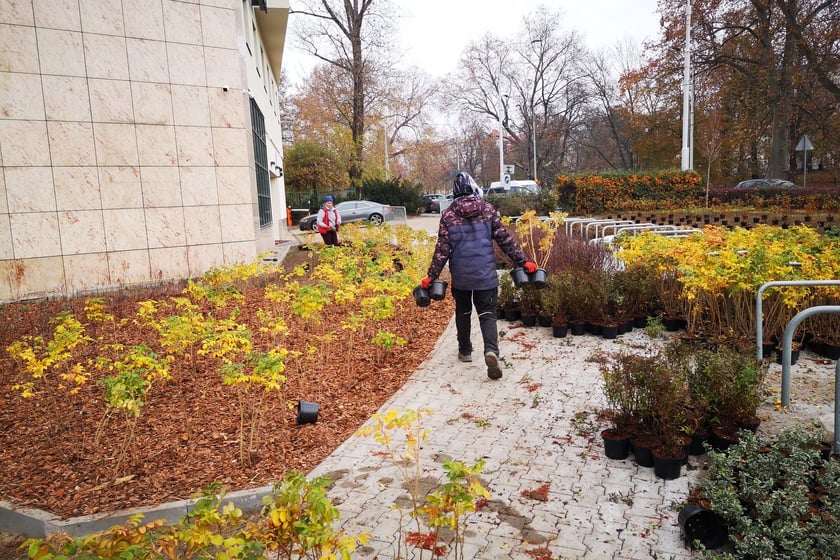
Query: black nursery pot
x=519 y=276
x=538 y=278
x=616 y=444
x=422 y=297
x=702 y=525
x=438 y=290
x=307 y=412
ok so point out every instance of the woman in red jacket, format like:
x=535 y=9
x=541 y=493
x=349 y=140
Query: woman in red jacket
x=328 y=221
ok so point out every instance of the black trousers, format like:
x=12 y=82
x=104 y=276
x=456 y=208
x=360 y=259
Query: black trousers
x=330 y=238
x=485 y=302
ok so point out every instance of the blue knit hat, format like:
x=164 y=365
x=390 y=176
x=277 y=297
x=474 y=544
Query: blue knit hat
x=328 y=198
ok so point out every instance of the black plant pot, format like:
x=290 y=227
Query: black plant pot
x=538 y=278
x=577 y=329
x=794 y=356
x=640 y=322
x=529 y=320
x=616 y=444
x=544 y=320
x=438 y=290
x=519 y=276
x=643 y=451
x=609 y=332
x=701 y=525
x=697 y=441
x=667 y=467
x=422 y=297
x=672 y=324
x=559 y=331
x=832 y=351
x=722 y=439
x=767 y=349
x=307 y=412
x=512 y=314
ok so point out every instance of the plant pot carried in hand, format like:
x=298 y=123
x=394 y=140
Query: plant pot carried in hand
x=422 y=297
x=538 y=278
x=438 y=289
x=519 y=276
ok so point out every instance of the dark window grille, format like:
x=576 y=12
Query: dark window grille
x=261 y=165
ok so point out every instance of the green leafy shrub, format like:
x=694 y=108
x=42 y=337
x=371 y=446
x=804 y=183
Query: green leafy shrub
x=780 y=499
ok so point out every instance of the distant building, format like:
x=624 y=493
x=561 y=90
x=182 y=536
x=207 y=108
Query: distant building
x=139 y=140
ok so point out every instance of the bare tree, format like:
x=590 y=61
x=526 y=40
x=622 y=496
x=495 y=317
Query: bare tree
x=354 y=37
x=534 y=85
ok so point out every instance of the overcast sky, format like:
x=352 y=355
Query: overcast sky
x=433 y=33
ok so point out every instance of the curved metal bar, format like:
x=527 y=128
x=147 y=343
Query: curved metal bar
x=759 y=318
x=786 y=351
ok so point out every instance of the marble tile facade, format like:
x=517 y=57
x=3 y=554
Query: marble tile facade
x=122 y=160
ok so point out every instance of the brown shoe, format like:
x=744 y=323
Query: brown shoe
x=493 y=369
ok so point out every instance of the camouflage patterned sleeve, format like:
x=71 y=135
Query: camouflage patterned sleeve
x=442 y=250
x=506 y=241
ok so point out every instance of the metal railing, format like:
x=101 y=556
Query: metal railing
x=759 y=313
x=787 y=341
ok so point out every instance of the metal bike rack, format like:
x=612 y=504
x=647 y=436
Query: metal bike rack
x=570 y=223
x=614 y=226
x=589 y=223
x=645 y=227
x=605 y=225
x=786 y=352
x=759 y=318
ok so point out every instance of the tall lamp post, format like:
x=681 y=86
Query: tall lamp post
x=501 y=144
x=685 y=156
x=534 y=118
x=534 y=138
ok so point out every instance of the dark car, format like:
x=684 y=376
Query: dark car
x=433 y=202
x=354 y=211
x=765 y=184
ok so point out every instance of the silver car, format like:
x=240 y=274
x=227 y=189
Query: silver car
x=354 y=211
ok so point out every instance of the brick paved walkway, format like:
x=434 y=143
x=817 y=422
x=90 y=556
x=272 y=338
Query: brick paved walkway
x=535 y=426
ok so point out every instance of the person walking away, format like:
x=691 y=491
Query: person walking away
x=466 y=234
x=328 y=221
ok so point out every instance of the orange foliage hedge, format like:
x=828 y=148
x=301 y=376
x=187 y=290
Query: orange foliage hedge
x=586 y=194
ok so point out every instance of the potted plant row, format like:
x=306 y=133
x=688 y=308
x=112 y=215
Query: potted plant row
x=666 y=401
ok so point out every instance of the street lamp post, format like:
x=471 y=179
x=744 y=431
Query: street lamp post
x=501 y=144
x=534 y=138
x=534 y=112
x=685 y=156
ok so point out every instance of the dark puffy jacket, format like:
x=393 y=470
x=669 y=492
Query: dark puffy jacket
x=465 y=239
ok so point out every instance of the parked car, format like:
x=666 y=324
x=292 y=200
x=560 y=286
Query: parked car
x=765 y=184
x=433 y=202
x=515 y=187
x=354 y=211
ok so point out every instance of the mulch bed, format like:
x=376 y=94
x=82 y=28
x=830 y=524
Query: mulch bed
x=188 y=433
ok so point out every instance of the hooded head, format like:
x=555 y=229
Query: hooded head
x=464 y=185
x=328 y=198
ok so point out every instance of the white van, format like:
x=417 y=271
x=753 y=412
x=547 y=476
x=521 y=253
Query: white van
x=527 y=186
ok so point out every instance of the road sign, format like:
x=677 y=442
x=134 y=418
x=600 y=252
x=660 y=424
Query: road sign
x=509 y=169
x=804 y=144
x=507 y=179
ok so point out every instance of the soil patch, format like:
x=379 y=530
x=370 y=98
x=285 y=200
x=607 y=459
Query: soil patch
x=188 y=433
